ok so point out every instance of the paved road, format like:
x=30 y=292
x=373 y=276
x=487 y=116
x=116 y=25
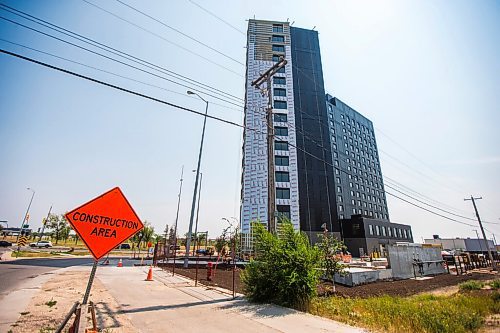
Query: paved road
x=14 y=273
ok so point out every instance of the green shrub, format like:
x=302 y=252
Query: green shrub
x=471 y=285
x=424 y=313
x=495 y=284
x=283 y=271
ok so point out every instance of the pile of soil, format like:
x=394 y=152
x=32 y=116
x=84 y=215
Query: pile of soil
x=223 y=277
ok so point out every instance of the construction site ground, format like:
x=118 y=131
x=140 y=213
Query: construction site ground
x=223 y=277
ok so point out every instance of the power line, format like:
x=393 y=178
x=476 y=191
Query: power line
x=464 y=217
x=114 y=74
x=88 y=78
x=115 y=51
x=163 y=38
x=428 y=210
x=218 y=18
x=195 y=112
x=180 y=32
x=118 y=61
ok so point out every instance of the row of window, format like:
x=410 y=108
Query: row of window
x=369 y=213
x=389 y=231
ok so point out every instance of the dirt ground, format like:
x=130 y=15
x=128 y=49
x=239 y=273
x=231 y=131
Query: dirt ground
x=49 y=307
x=444 y=283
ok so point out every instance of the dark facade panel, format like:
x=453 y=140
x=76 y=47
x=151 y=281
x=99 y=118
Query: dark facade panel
x=316 y=188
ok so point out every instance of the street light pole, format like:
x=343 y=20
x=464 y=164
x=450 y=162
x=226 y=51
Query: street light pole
x=197 y=215
x=193 y=204
x=26 y=215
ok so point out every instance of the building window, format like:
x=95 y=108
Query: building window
x=370 y=227
x=383 y=231
x=341 y=208
x=280 y=117
x=278 y=39
x=281 y=131
x=282 y=193
x=389 y=231
x=338 y=180
x=276 y=58
x=278 y=28
x=281 y=160
x=281 y=70
x=280 y=105
x=282 y=176
x=283 y=211
x=339 y=198
x=278 y=48
x=279 y=92
x=405 y=234
x=341 y=216
x=339 y=189
x=281 y=145
x=377 y=229
x=279 y=80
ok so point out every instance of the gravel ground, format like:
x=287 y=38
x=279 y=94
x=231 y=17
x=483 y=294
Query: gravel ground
x=224 y=278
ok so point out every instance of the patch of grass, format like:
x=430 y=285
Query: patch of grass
x=424 y=313
x=495 y=284
x=471 y=285
x=29 y=254
x=51 y=303
x=24 y=313
x=46 y=330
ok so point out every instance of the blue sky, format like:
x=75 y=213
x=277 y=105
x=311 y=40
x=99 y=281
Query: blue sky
x=425 y=72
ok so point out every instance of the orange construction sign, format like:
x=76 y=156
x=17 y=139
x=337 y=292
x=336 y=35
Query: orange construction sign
x=105 y=222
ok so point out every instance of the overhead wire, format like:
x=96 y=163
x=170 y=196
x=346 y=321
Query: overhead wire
x=180 y=32
x=163 y=38
x=112 y=73
x=121 y=62
x=115 y=51
x=198 y=113
x=218 y=18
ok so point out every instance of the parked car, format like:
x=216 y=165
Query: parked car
x=45 y=244
x=5 y=243
x=124 y=246
x=206 y=252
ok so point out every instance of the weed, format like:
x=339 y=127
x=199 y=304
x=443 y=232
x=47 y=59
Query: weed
x=424 y=313
x=471 y=285
x=51 y=303
x=46 y=330
x=495 y=284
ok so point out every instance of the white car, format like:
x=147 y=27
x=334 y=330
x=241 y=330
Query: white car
x=44 y=244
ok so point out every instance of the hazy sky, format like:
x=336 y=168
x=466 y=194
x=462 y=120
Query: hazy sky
x=427 y=73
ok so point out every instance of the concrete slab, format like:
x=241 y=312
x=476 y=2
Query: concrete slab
x=173 y=304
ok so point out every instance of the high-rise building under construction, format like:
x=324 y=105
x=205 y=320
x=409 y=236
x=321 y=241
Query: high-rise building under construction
x=326 y=168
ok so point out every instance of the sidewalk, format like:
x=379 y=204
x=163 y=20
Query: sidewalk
x=173 y=304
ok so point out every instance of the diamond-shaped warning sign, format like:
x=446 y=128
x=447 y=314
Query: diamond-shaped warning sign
x=105 y=222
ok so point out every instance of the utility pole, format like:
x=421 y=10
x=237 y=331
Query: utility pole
x=479 y=240
x=44 y=223
x=271 y=187
x=494 y=266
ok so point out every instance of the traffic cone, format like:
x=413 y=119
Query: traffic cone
x=150 y=274
x=120 y=264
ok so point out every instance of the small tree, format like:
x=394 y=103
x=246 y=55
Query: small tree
x=331 y=261
x=58 y=225
x=284 y=269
